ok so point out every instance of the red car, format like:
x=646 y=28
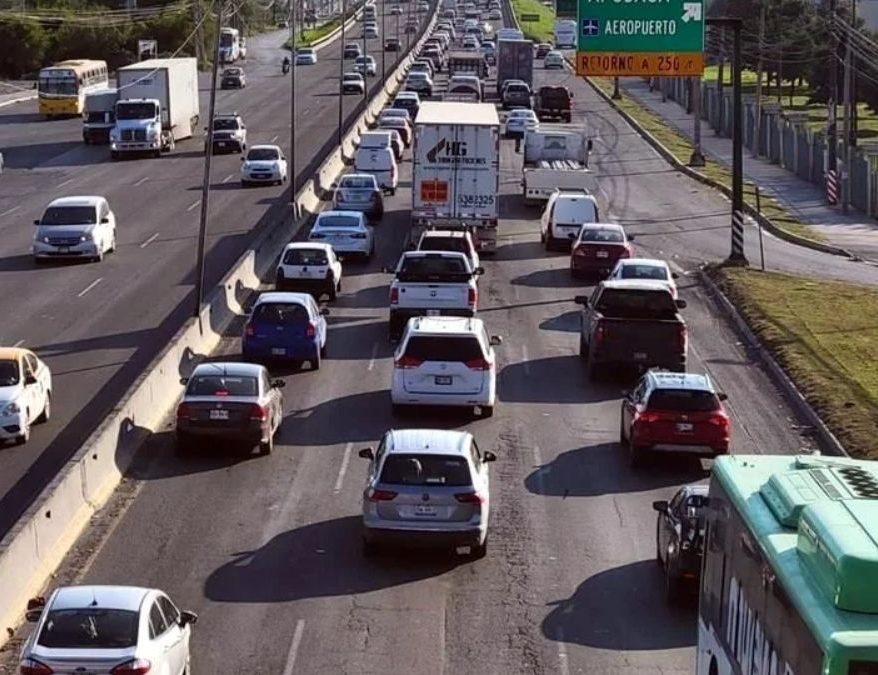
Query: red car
x=675 y=413
x=598 y=248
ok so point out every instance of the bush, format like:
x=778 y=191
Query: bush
x=24 y=47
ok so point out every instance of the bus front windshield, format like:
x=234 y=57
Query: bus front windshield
x=226 y=40
x=65 y=86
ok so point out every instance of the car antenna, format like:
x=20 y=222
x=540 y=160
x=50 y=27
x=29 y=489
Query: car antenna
x=94 y=598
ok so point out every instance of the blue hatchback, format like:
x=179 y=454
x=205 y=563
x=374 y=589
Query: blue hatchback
x=285 y=327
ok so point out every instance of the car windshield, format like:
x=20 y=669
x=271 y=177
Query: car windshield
x=135 y=111
x=644 y=272
x=439 y=470
x=628 y=303
x=430 y=267
x=686 y=400
x=89 y=628
x=305 y=256
x=9 y=374
x=225 y=123
x=446 y=348
x=280 y=313
x=358 y=182
x=353 y=77
x=262 y=154
x=222 y=385
x=232 y=71
x=600 y=235
x=70 y=215
x=338 y=221
x=305 y=52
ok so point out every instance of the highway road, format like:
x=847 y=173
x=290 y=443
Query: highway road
x=267 y=549
x=99 y=325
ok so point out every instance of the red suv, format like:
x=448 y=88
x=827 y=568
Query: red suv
x=676 y=413
x=598 y=248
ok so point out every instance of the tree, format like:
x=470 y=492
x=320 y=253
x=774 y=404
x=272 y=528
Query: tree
x=24 y=47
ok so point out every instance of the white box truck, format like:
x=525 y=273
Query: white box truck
x=157 y=106
x=555 y=157
x=456 y=176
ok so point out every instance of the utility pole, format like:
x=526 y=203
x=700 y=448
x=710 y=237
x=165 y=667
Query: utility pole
x=365 y=62
x=291 y=167
x=757 y=143
x=720 y=82
x=831 y=126
x=205 y=184
x=696 y=159
x=199 y=33
x=616 y=94
x=383 y=37
x=846 y=171
x=854 y=111
x=341 y=74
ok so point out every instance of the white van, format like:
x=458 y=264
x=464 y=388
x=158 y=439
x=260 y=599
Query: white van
x=564 y=215
x=381 y=163
x=565 y=34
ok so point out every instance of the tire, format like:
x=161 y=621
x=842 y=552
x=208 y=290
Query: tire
x=23 y=437
x=46 y=415
x=112 y=244
x=315 y=362
x=99 y=257
x=333 y=292
x=583 y=347
x=479 y=551
x=265 y=447
x=323 y=351
x=487 y=411
x=593 y=369
x=658 y=551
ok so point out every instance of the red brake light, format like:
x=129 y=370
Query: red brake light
x=600 y=332
x=310 y=330
x=394 y=295
x=719 y=419
x=477 y=364
x=221 y=392
x=134 y=667
x=380 y=495
x=407 y=362
x=248 y=330
x=184 y=411
x=582 y=251
x=258 y=412
x=648 y=416
x=626 y=251
x=34 y=667
x=472 y=296
x=682 y=337
x=470 y=498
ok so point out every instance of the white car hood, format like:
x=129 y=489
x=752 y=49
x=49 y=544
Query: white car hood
x=270 y=164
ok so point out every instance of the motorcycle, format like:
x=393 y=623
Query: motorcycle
x=285 y=66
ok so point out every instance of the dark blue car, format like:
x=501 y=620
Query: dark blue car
x=285 y=327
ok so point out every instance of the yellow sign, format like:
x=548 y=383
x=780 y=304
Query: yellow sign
x=640 y=63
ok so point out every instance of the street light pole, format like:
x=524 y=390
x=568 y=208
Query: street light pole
x=291 y=168
x=365 y=61
x=341 y=74
x=205 y=183
x=384 y=37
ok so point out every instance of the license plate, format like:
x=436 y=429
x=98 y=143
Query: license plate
x=433 y=312
x=640 y=356
x=219 y=414
x=63 y=249
x=603 y=254
x=684 y=426
x=222 y=144
x=443 y=379
x=278 y=351
x=425 y=510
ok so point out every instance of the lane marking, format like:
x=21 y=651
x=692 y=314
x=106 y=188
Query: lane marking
x=18 y=344
x=141 y=181
x=526 y=359
x=89 y=287
x=150 y=240
x=193 y=205
x=344 y=467
x=374 y=354
x=228 y=178
x=66 y=182
x=563 y=666
x=273 y=139
x=10 y=211
x=540 y=469
x=294 y=647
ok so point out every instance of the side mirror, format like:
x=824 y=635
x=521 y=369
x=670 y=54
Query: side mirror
x=496 y=340
x=334 y=186
x=626 y=394
x=681 y=304
x=243 y=159
x=674 y=275
x=184 y=381
x=479 y=271
x=722 y=396
x=661 y=506
x=278 y=384
x=367 y=453
x=35 y=608
x=580 y=300
x=105 y=219
x=489 y=456
x=572 y=236
x=36 y=222
x=631 y=237
x=187 y=617
x=324 y=311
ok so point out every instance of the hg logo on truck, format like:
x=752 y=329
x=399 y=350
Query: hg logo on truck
x=451 y=152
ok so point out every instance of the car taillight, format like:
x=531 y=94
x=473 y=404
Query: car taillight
x=582 y=251
x=258 y=412
x=184 y=411
x=600 y=332
x=682 y=337
x=248 y=327
x=310 y=330
x=394 y=295
x=133 y=667
x=407 y=362
x=472 y=296
x=719 y=419
x=626 y=251
x=380 y=495
x=477 y=364
x=648 y=416
x=34 y=667
x=470 y=497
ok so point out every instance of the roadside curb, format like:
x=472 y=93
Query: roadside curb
x=22 y=99
x=669 y=157
x=828 y=440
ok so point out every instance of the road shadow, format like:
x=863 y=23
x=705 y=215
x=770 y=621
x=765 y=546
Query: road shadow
x=21 y=118
x=622 y=609
x=372 y=297
x=63 y=153
x=360 y=340
x=17 y=263
x=317 y=560
x=568 y=322
x=551 y=278
x=525 y=250
x=566 y=375
x=355 y=418
x=603 y=469
x=159 y=459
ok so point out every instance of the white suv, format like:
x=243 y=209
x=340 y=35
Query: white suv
x=311 y=267
x=445 y=361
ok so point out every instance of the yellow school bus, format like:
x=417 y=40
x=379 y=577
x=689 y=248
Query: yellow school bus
x=63 y=87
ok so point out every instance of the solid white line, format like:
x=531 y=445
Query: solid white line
x=228 y=178
x=294 y=647
x=9 y=211
x=89 y=287
x=193 y=205
x=141 y=181
x=62 y=184
x=18 y=344
x=526 y=359
x=540 y=469
x=374 y=354
x=343 y=468
x=150 y=240
x=273 y=139
x=563 y=666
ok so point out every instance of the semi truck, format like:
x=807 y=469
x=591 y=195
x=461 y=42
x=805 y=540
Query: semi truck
x=555 y=157
x=157 y=106
x=99 y=116
x=515 y=61
x=456 y=177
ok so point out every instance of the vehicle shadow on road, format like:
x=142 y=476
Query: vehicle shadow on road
x=564 y=377
x=372 y=297
x=53 y=154
x=358 y=340
x=523 y=250
x=575 y=473
x=551 y=278
x=568 y=322
x=313 y=561
x=622 y=609
x=160 y=460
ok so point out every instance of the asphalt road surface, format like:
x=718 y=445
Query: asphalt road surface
x=99 y=325
x=267 y=549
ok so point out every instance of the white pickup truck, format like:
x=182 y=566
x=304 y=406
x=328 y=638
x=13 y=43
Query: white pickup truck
x=432 y=283
x=555 y=157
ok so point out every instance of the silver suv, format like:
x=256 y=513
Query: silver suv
x=229 y=133
x=427 y=487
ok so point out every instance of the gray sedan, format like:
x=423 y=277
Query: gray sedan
x=359 y=192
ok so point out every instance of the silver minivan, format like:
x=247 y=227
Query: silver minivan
x=381 y=163
x=75 y=227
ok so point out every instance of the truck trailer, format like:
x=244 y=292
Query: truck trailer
x=515 y=61
x=456 y=177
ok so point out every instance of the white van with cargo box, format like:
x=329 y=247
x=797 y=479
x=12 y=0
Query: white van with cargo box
x=381 y=163
x=565 y=214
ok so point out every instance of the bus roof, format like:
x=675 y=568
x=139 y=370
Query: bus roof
x=816 y=522
x=78 y=63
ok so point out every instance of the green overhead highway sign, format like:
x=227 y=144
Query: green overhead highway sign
x=565 y=9
x=529 y=18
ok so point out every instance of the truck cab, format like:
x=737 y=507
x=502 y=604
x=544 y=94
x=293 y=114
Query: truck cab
x=100 y=116
x=139 y=128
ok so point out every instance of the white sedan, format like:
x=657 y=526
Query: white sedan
x=554 y=59
x=25 y=393
x=365 y=65
x=520 y=121
x=264 y=164
x=306 y=56
x=646 y=269
x=346 y=231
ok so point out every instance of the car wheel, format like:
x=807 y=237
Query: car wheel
x=315 y=361
x=658 y=550
x=323 y=350
x=24 y=436
x=583 y=347
x=333 y=291
x=99 y=256
x=479 y=551
x=46 y=415
x=112 y=248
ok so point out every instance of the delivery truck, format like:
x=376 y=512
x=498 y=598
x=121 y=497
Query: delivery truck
x=99 y=116
x=555 y=157
x=515 y=61
x=157 y=106
x=456 y=177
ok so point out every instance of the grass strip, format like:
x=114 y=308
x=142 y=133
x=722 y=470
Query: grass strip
x=824 y=334
x=312 y=35
x=681 y=148
x=539 y=31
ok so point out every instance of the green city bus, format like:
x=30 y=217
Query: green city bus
x=789 y=581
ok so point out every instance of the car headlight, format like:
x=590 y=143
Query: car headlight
x=12 y=408
x=152 y=134
x=45 y=240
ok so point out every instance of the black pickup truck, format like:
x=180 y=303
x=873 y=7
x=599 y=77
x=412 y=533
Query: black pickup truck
x=553 y=102
x=632 y=323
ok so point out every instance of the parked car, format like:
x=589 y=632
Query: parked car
x=597 y=249
x=286 y=326
x=646 y=269
x=264 y=164
x=111 y=629
x=309 y=267
x=427 y=487
x=306 y=56
x=353 y=83
x=25 y=393
x=359 y=192
x=75 y=227
x=679 y=539
x=563 y=216
x=230 y=402
x=346 y=231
